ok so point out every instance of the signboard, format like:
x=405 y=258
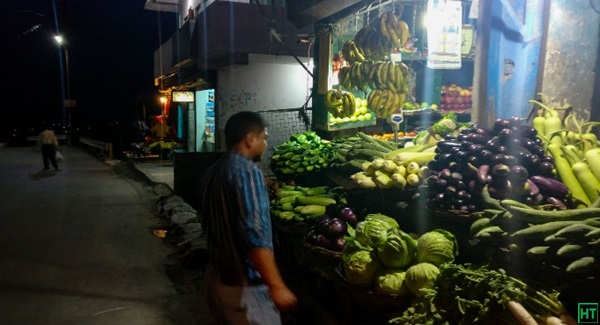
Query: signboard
x=183 y=96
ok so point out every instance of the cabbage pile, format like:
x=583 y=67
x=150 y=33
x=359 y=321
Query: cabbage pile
x=383 y=257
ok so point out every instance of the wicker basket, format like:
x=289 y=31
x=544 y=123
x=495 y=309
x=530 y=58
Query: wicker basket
x=320 y=260
x=366 y=297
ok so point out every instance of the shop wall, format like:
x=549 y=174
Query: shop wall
x=571 y=53
x=276 y=86
x=513 y=57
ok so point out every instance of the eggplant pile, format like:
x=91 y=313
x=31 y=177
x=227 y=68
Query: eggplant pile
x=330 y=229
x=509 y=159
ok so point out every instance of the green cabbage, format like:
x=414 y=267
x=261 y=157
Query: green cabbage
x=420 y=276
x=398 y=250
x=391 y=282
x=373 y=230
x=392 y=223
x=437 y=247
x=360 y=268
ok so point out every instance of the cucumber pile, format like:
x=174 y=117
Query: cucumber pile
x=304 y=204
x=509 y=159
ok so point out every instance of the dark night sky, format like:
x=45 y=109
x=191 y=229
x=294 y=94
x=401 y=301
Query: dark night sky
x=111 y=45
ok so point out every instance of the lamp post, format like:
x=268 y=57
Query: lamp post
x=67 y=102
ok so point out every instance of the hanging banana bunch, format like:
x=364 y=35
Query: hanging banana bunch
x=339 y=103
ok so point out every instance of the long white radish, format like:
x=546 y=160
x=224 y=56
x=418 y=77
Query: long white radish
x=520 y=313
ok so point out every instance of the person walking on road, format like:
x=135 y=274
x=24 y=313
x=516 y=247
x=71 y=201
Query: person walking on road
x=48 y=144
x=243 y=280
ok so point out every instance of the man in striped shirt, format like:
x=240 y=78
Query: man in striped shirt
x=244 y=283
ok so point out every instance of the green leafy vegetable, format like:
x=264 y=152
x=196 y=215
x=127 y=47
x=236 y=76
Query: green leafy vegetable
x=476 y=294
x=445 y=125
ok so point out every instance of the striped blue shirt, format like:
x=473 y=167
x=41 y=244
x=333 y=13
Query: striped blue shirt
x=235 y=209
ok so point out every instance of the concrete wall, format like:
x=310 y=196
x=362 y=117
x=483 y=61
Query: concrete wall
x=267 y=83
x=571 y=54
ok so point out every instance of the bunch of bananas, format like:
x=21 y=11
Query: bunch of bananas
x=352 y=52
x=376 y=40
x=385 y=101
x=375 y=75
x=339 y=103
x=394 y=29
x=372 y=43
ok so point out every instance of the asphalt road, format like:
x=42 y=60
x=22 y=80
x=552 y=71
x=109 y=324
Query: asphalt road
x=76 y=245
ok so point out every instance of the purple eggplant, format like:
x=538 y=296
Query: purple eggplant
x=550 y=187
x=450 y=191
x=485 y=156
x=445 y=158
x=497 y=159
x=533 y=189
x=510 y=160
x=502 y=149
x=498 y=194
x=477 y=138
x=515 y=121
x=500 y=124
x=475 y=148
x=474 y=160
x=445 y=173
x=454 y=166
x=482 y=174
x=560 y=204
x=545 y=169
x=493 y=143
x=500 y=170
x=527 y=131
x=518 y=173
x=446 y=145
x=505 y=134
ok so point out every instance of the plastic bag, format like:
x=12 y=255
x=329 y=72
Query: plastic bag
x=58 y=156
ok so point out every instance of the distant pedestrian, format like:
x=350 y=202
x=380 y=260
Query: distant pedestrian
x=243 y=280
x=49 y=145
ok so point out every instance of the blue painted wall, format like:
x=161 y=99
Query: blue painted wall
x=514 y=52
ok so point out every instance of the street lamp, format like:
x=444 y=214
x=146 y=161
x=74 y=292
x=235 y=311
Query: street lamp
x=67 y=102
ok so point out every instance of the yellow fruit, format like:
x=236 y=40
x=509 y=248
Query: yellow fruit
x=346 y=119
x=360 y=118
x=339 y=120
x=434 y=106
x=353 y=118
x=357 y=102
x=368 y=116
x=364 y=110
x=364 y=103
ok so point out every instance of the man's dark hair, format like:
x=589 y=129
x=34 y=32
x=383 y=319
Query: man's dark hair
x=241 y=124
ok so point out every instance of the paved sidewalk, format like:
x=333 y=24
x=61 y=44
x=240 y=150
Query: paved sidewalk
x=159 y=171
